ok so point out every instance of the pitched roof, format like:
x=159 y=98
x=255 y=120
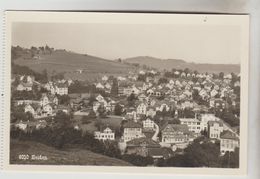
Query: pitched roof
x=176 y=128
x=132 y=124
x=142 y=141
x=228 y=135
x=61 y=85
x=211 y=123
x=164 y=152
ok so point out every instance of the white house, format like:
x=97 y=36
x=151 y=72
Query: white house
x=61 y=89
x=106 y=134
x=205 y=118
x=104 y=78
x=151 y=112
x=176 y=134
x=48 y=110
x=100 y=98
x=215 y=128
x=30 y=109
x=141 y=108
x=228 y=142
x=24 y=87
x=100 y=86
x=132 y=130
x=148 y=124
x=192 y=123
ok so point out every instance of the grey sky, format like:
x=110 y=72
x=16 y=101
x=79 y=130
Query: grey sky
x=200 y=44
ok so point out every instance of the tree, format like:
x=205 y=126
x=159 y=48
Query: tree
x=101 y=111
x=114 y=88
x=188 y=113
x=131 y=99
x=64 y=99
x=45 y=76
x=141 y=77
x=18 y=114
x=230 y=159
x=175 y=121
x=62 y=120
x=187 y=70
x=201 y=153
x=221 y=75
x=85 y=120
x=163 y=80
x=92 y=115
x=230 y=118
x=118 y=110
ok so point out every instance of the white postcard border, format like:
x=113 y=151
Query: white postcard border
x=136 y=18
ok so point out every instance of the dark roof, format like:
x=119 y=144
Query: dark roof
x=62 y=85
x=164 y=152
x=132 y=124
x=176 y=127
x=228 y=135
x=143 y=141
x=211 y=123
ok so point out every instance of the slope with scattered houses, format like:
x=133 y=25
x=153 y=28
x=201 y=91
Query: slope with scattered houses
x=149 y=113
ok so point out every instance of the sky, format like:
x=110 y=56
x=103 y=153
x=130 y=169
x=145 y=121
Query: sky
x=192 y=43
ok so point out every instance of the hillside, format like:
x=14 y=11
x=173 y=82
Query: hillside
x=69 y=62
x=59 y=157
x=169 y=64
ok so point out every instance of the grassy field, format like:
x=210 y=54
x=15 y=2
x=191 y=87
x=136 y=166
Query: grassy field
x=58 y=157
x=68 y=62
x=113 y=121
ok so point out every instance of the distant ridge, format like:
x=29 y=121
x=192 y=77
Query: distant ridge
x=169 y=64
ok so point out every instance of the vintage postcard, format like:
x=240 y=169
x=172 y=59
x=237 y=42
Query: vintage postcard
x=121 y=92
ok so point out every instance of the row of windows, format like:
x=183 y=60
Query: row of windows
x=106 y=136
x=214 y=135
x=173 y=140
x=133 y=129
x=229 y=146
x=191 y=123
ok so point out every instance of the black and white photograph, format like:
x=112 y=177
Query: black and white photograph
x=133 y=90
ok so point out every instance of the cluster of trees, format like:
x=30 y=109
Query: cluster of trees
x=24 y=70
x=202 y=153
x=17 y=51
x=171 y=74
x=18 y=114
x=118 y=111
x=142 y=77
x=198 y=99
x=63 y=99
x=228 y=117
x=131 y=99
x=114 y=88
x=79 y=87
x=61 y=135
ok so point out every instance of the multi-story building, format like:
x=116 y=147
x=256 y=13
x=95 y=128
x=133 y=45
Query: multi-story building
x=175 y=134
x=192 y=123
x=24 y=87
x=215 y=128
x=205 y=118
x=228 y=142
x=141 y=108
x=132 y=130
x=106 y=134
x=148 y=124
